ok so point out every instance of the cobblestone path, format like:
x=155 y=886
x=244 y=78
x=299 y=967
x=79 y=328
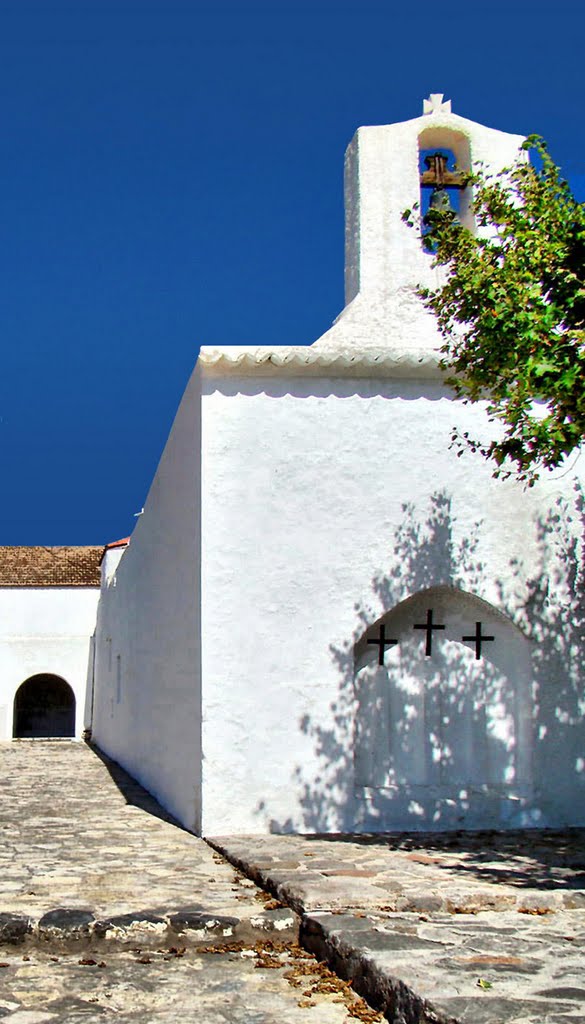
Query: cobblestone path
x=110 y=912
x=169 y=986
x=76 y=833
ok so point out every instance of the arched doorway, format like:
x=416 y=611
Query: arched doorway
x=44 y=705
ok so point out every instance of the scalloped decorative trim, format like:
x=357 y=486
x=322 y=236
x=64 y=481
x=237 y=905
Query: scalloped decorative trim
x=300 y=361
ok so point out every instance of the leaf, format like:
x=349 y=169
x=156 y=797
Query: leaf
x=544 y=367
x=482 y=983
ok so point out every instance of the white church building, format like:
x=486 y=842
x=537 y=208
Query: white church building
x=325 y=620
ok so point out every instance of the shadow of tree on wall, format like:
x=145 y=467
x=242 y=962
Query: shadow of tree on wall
x=553 y=615
x=530 y=757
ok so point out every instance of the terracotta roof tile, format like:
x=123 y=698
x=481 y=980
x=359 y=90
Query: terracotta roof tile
x=50 y=566
x=118 y=543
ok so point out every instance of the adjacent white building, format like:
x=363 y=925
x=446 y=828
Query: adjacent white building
x=326 y=620
x=48 y=603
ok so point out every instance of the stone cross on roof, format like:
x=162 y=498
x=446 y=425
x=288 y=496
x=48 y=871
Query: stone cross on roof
x=435 y=105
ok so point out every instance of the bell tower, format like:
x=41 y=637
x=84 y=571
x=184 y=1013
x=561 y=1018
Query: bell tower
x=388 y=168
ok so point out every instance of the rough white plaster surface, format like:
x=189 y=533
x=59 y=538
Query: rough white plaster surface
x=147 y=704
x=110 y=562
x=45 y=630
x=304 y=496
x=325 y=505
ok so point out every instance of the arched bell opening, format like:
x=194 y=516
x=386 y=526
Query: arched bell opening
x=444 y=159
x=44 y=706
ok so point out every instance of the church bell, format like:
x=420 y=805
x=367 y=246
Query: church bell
x=440 y=201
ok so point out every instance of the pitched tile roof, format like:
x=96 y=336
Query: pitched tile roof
x=50 y=566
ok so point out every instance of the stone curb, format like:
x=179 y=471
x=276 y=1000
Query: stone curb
x=407 y=977
x=322 y=935
x=183 y=926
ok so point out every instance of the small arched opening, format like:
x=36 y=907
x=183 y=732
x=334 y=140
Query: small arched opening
x=444 y=159
x=44 y=706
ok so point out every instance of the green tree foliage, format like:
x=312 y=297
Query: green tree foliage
x=512 y=311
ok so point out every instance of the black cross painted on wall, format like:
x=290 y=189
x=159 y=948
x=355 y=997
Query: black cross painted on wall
x=429 y=626
x=382 y=643
x=479 y=638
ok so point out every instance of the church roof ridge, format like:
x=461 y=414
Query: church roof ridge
x=304 y=359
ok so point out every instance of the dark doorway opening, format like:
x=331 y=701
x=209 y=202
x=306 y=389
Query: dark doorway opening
x=44 y=706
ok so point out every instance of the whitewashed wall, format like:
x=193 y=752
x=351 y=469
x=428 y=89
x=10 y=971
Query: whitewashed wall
x=45 y=630
x=325 y=504
x=147 y=701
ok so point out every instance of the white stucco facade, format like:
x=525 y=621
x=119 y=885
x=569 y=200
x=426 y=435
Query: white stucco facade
x=45 y=631
x=327 y=504
x=147 y=703
x=307 y=498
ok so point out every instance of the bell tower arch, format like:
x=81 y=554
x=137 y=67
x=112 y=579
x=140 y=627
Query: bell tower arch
x=444 y=159
x=385 y=264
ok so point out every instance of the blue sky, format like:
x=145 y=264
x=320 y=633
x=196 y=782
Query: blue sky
x=171 y=176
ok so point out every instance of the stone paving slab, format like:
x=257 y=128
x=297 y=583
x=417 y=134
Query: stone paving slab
x=453 y=872
x=258 y=985
x=481 y=928
x=493 y=968
x=87 y=855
